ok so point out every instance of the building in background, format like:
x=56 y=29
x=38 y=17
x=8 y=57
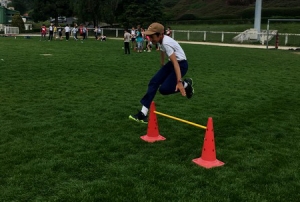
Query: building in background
x=6 y=16
x=4 y=3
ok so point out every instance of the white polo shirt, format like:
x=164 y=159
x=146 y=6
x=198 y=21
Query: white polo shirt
x=170 y=46
x=67 y=29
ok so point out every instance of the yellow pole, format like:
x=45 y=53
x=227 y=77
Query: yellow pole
x=178 y=119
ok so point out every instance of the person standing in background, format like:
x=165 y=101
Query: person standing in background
x=133 y=37
x=67 y=32
x=95 y=32
x=84 y=32
x=59 y=30
x=169 y=32
x=126 y=41
x=74 y=32
x=55 y=32
x=98 y=33
x=139 y=39
x=51 y=29
x=43 y=32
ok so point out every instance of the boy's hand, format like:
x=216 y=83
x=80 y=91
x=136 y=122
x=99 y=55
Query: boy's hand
x=180 y=87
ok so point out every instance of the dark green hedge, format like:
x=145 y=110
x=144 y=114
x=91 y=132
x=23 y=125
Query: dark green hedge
x=271 y=12
x=244 y=16
x=216 y=21
x=187 y=17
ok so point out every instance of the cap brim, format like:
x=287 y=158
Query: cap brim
x=149 y=32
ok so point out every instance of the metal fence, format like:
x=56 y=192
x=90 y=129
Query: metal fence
x=285 y=39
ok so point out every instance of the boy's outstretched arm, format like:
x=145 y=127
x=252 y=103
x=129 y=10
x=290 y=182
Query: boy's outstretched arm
x=179 y=85
x=162 y=58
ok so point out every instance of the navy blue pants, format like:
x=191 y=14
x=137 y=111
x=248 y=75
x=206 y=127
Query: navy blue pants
x=165 y=80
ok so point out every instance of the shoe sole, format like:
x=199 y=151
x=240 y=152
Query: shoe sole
x=192 y=85
x=192 y=82
x=139 y=121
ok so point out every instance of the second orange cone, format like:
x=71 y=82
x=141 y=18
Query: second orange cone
x=208 y=157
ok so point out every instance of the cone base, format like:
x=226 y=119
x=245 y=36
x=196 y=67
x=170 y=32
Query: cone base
x=208 y=164
x=152 y=139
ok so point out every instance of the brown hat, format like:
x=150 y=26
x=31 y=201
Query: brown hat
x=155 y=28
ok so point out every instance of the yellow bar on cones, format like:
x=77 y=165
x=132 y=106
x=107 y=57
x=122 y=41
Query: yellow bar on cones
x=178 y=119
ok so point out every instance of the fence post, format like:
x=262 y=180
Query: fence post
x=188 y=35
x=204 y=36
x=222 y=37
x=286 y=39
x=117 y=32
x=262 y=37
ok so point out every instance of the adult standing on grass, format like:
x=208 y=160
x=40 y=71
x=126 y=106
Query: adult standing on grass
x=126 y=41
x=74 y=32
x=51 y=30
x=139 y=39
x=82 y=31
x=95 y=32
x=55 y=32
x=168 y=78
x=59 y=30
x=67 y=32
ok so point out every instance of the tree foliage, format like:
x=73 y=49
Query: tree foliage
x=87 y=10
x=109 y=11
x=20 y=6
x=44 y=9
x=142 y=12
x=240 y=2
x=18 y=22
x=127 y=12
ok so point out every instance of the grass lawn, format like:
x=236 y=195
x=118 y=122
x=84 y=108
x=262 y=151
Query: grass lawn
x=65 y=133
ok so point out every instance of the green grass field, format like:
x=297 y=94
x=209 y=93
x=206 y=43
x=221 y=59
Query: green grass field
x=65 y=133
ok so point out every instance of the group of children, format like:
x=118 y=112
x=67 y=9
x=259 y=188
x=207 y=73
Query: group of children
x=137 y=37
x=98 y=35
x=57 y=32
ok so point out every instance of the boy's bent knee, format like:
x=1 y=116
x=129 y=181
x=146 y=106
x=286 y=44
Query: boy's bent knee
x=164 y=91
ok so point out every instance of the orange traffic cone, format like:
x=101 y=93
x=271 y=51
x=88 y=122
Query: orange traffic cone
x=208 y=158
x=152 y=132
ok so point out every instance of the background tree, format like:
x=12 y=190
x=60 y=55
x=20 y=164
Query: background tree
x=109 y=11
x=88 y=10
x=238 y=2
x=20 y=6
x=18 y=22
x=44 y=9
x=142 y=12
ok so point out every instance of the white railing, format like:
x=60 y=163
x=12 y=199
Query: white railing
x=207 y=36
x=11 y=31
x=287 y=39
